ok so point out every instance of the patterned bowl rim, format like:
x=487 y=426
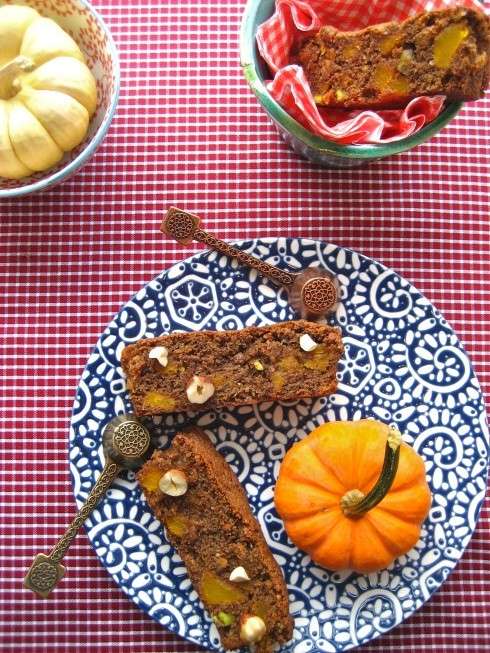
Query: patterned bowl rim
x=255 y=14
x=244 y=243
x=97 y=138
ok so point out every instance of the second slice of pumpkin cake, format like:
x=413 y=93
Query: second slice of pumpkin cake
x=195 y=494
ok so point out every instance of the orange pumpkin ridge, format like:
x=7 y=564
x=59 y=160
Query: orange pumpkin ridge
x=330 y=462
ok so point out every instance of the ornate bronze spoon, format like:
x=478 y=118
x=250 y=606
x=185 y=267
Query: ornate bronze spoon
x=127 y=445
x=312 y=292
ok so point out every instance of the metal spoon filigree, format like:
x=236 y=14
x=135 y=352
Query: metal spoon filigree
x=127 y=444
x=312 y=292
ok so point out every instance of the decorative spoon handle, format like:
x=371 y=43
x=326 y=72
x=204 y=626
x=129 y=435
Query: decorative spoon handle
x=46 y=571
x=184 y=227
x=281 y=277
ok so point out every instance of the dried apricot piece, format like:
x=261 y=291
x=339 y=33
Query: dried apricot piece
x=177 y=525
x=318 y=359
x=261 y=609
x=350 y=51
x=387 y=78
x=288 y=363
x=389 y=42
x=149 y=478
x=159 y=401
x=447 y=42
x=218 y=379
x=278 y=380
x=215 y=590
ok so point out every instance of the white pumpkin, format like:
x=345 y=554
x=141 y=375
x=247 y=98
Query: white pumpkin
x=47 y=93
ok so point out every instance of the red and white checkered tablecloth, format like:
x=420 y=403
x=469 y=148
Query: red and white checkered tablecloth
x=189 y=132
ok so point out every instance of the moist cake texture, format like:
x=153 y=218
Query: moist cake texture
x=444 y=52
x=213 y=529
x=203 y=370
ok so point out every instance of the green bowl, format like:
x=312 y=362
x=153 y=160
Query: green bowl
x=302 y=141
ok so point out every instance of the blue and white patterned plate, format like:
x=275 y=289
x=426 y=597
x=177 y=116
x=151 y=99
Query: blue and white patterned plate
x=402 y=364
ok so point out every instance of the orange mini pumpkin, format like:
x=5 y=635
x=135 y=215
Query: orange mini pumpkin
x=353 y=495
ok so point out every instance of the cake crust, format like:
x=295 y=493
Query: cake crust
x=214 y=531
x=243 y=367
x=445 y=52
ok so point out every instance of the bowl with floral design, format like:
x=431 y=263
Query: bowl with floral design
x=84 y=24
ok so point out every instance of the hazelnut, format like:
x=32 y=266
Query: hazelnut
x=307 y=343
x=173 y=483
x=239 y=575
x=252 y=629
x=199 y=390
x=161 y=355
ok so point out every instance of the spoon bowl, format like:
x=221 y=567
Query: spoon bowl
x=126 y=441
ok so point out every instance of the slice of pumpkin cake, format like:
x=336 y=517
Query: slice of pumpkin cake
x=205 y=370
x=195 y=494
x=445 y=52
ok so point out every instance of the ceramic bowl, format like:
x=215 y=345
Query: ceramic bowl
x=81 y=20
x=312 y=147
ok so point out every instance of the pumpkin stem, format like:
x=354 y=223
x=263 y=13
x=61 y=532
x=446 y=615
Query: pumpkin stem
x=9 y=72
x=355 y=503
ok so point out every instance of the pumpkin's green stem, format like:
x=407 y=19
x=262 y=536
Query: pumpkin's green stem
x=355 y=503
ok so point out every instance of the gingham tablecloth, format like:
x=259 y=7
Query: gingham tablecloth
x=189 y=132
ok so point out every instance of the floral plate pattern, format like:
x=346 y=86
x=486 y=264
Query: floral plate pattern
x=403 y=364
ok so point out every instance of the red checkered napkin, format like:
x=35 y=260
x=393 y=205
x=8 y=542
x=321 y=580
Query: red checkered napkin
x=294 y=18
